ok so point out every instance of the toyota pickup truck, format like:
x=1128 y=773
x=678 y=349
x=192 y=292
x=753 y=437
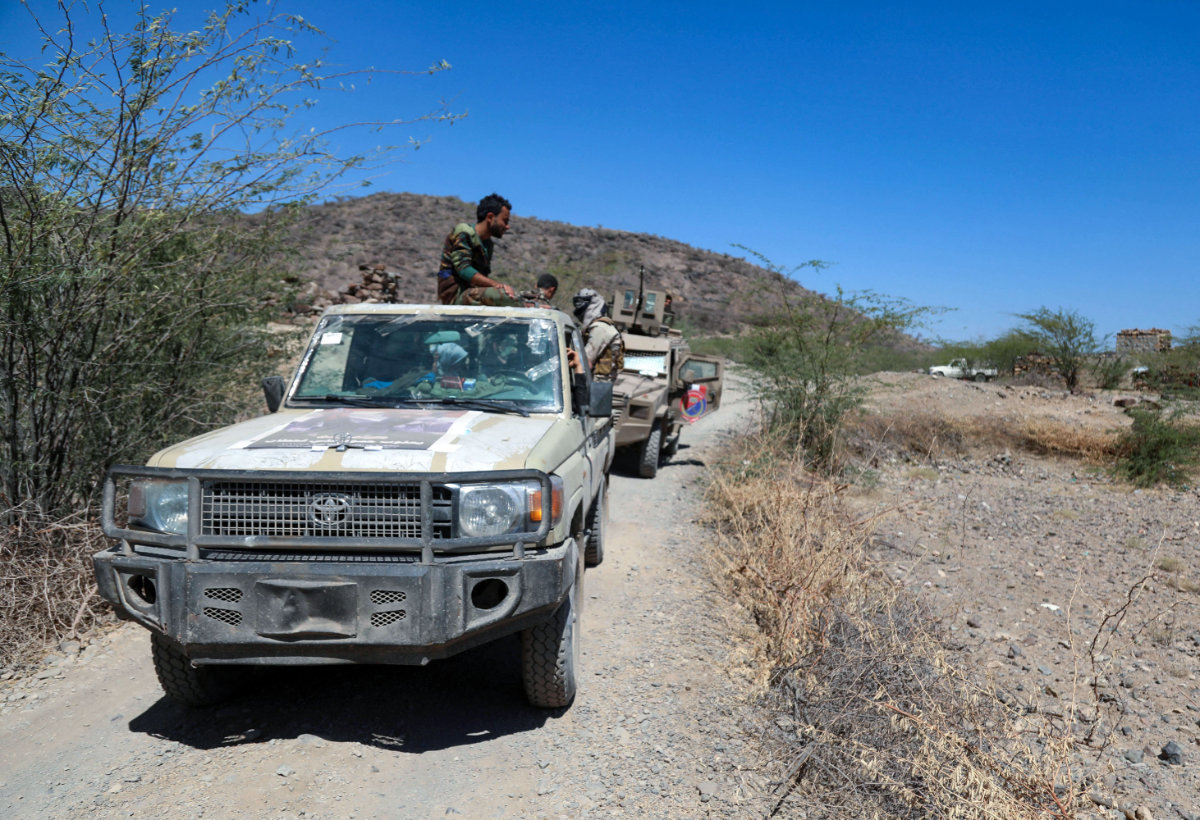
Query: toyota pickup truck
x=433 y=478
x=960 y=369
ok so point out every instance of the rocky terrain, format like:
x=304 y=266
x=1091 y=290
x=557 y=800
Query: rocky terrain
x=1068 y=593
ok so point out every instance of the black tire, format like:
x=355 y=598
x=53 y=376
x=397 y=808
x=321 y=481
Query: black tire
x=672 y=445
x=981 y=377
x=593 y=554
x=192 y=685
x=649 y=455
x=550 y=657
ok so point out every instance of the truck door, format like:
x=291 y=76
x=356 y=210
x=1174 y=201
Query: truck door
x=701 y=378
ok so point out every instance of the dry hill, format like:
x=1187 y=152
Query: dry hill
x=404 y=232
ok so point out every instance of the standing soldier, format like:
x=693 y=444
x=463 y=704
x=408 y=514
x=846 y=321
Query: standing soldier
x=601 y=339
x=465 y=270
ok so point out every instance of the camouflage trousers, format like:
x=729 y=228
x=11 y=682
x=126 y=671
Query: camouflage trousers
x=475 y=297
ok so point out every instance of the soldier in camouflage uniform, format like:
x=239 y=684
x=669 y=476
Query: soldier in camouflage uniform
x=601 y=339
x=465 y=270
x=540 y=296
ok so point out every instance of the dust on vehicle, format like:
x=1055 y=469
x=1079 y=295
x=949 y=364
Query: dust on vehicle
x=434 y=478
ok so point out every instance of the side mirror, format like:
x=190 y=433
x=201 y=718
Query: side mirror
x=600 y=400
x=273 y=389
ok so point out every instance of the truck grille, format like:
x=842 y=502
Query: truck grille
x=619 y=405
x=298 y=510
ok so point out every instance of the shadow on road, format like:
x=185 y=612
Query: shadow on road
x=462 y=700
x=625 y=463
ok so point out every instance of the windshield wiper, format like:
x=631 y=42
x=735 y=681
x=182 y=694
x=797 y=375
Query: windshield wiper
x=479 y=404
x=356 y=401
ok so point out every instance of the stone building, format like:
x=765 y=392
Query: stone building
x=1154 y=340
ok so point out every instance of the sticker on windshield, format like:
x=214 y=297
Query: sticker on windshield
x=331 y=338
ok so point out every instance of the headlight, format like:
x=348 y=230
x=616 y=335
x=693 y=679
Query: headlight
x=159 y=504
x=500 y=509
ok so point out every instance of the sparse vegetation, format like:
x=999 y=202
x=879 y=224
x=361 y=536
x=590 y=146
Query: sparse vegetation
x=1065 y=336
x=930 y=436
x=807 y=352
x=1158 y=449
x=875 y=718
x=133 y=290
x=1110 y=370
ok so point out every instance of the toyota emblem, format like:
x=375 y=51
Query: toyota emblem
x=329 y=509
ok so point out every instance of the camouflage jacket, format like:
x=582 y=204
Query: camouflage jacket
x=464 y=254
x=604 y=347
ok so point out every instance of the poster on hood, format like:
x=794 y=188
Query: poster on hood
x=367 y=429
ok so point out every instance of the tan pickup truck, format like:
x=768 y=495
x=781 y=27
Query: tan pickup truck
x=433 y=478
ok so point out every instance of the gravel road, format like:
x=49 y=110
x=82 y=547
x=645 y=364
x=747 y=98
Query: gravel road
x=656 y=730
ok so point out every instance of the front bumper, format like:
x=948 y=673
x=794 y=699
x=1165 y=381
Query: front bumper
x=333 y=608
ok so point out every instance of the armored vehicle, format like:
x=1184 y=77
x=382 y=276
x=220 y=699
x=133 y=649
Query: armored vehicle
x=433 y=478
x=663 y=386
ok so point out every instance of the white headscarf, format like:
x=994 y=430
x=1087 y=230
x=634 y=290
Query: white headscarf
x=595 y=306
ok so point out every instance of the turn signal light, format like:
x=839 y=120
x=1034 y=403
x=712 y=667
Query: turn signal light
x=556 y=502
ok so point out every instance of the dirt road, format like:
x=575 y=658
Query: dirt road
x=654 y=731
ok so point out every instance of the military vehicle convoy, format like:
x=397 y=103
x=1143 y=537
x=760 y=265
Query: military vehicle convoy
x=663 y=386
x=434 y=478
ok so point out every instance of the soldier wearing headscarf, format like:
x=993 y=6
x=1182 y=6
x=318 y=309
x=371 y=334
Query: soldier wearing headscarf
x=602 y=341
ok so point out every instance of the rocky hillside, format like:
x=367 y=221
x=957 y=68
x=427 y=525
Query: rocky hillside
x=404 y=233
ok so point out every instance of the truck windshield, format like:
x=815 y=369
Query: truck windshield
x=647 y=364
x=402 y=359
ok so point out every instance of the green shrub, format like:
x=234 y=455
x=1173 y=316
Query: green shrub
x=808 y=351
x=1110 y=371
x=1158 y=450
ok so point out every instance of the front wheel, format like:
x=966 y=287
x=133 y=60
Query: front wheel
x=593 y=554
x=192 y=685
x=649 y=454
x=550 y=657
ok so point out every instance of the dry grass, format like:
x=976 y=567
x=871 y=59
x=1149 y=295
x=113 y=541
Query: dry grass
x=1178 y=572
x=1169 y=563
x=876 y=720
x=931 y=436
x=47 y=591
x=1089 y=445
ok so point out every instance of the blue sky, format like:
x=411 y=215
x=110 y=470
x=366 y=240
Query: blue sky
x=991 y=158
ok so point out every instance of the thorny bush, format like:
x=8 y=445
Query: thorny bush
x=47 y=594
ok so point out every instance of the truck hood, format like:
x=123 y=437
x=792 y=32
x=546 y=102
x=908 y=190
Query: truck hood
x=385 y=439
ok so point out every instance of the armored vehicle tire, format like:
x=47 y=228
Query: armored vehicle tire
x=192 y=685
x=649 y=454
x=672 y=445
x=593 y=555
x=550 y=657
